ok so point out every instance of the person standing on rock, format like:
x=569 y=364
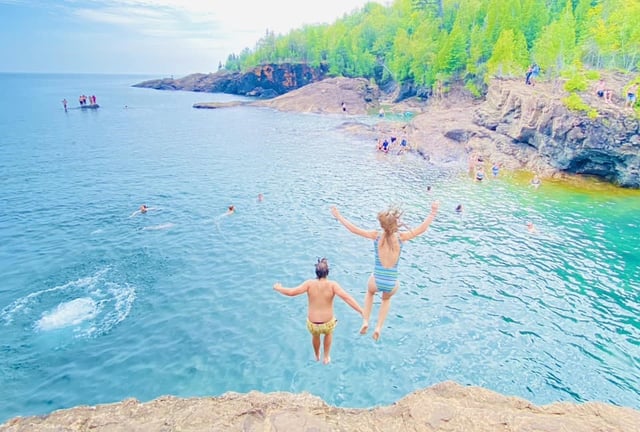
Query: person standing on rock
x=632 y=95
x=320 y=319
x=387 y=246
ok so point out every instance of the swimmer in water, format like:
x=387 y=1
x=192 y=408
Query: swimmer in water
x=535 y=181
x=260 y=197
x=142 y=210
x=231 y=210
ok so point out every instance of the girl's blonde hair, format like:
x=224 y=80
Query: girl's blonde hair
x=389 y=221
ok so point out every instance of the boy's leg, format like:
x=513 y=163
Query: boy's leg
x=384 y=310
x=315 y=341
x=328 y=338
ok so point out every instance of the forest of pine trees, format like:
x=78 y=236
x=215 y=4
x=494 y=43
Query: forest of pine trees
x=425 y=41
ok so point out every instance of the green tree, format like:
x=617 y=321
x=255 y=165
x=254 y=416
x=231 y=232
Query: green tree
x=557 y=43
x=510 y=55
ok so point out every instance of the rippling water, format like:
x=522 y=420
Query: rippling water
x=99 y=303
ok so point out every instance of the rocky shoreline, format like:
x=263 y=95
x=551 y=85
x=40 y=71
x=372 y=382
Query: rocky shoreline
x=446 y=406
x=518 y=126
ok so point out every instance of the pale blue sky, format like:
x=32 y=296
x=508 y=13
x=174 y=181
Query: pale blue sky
x=158 y=37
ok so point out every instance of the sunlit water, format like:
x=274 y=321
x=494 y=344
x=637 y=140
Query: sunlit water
x=99 y=303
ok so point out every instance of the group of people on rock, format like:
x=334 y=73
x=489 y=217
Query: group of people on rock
x=392 y=145
x=606 y=93
x=83 y=99
x=476 y=165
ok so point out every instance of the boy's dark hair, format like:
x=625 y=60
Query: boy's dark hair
x=322 y=268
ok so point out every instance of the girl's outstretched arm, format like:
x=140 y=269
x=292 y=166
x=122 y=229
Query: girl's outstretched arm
x=420 y=229
x=351 y=227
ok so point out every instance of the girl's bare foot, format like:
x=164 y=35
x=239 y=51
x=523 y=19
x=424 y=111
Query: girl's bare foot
x=327 y=360
x=364 y=328
x=376 y=335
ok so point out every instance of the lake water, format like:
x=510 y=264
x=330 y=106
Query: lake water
x=98 y=304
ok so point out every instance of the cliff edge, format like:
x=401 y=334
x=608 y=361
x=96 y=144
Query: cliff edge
x=443 y=407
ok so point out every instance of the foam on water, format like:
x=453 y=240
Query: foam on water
x=68 y=314
x=89 y=306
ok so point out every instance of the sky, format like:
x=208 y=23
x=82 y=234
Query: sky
x=152 y=37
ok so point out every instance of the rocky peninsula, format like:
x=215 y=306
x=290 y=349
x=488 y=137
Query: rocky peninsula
x=443 y=407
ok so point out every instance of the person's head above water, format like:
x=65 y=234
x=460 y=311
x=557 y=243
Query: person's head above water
x=322 y=268
x=389 y=220
x=144 y=208
x=232 y=208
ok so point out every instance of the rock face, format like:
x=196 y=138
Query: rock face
x=327 y=96
x=444 y=407
x=607 y=146
x=265 y=81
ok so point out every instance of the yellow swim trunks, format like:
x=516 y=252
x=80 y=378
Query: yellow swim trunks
x=317 y=329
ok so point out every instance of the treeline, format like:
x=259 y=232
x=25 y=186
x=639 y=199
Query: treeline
x=430 y=41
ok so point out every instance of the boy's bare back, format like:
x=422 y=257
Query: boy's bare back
x=321 y=293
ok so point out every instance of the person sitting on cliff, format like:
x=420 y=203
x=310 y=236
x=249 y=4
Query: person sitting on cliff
x=320 y=318
x=604 y=92
x=631 y=95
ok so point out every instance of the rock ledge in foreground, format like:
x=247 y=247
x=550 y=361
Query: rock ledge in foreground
x=443 y=407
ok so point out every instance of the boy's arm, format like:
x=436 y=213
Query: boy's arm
x=340 y=292
x=351 y=227
x=300 y=289
x=420 y=229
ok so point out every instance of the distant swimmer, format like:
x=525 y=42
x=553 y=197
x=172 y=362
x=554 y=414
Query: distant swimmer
x=320 y=318
x=459 y=209
x=531 y=227
x=535 y=181
x=64 y=104
x=260 y=197
x=142 y=210
x=231 y=210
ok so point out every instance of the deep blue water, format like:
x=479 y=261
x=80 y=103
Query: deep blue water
x=98 y=304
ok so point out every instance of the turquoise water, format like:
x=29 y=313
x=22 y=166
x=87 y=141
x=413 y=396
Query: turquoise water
x=99 y=304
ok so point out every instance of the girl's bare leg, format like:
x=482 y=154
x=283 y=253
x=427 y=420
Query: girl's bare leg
x=328 y=338
x=315 y=341
x=368 y=304
x=384 y=310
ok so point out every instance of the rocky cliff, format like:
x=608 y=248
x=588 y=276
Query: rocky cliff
x=265 y=81
x=444 y=407
x=607 y=146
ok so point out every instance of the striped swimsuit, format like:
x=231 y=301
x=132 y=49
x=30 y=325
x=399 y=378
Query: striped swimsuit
x=386 y=278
